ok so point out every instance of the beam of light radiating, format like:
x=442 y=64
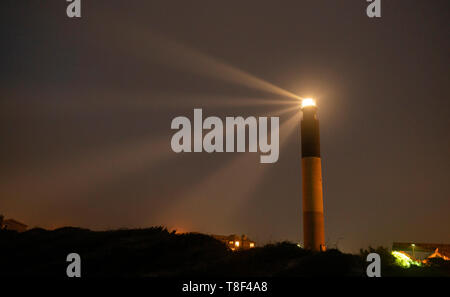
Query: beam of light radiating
x=76 y=176
x=208 y=202
x=100 y=101
x=160 y=49
x=72 y=177
x=68 y=179
x=205 y=203
x=289 y=127
x=104 y=102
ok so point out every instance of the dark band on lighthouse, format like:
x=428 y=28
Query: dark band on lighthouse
x=310 y=132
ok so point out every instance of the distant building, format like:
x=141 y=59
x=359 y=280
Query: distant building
x=11 y=224
x=235 y=242
x=421 y=251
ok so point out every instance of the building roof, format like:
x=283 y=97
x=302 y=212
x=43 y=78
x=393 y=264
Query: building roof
x=13 y=222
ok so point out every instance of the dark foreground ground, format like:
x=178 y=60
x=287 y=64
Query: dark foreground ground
x=158 y=252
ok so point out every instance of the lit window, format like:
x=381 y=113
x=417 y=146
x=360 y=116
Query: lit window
x=252 y=244
x=236 y=243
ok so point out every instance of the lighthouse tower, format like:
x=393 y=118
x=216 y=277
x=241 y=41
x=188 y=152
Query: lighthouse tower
x=313 y=221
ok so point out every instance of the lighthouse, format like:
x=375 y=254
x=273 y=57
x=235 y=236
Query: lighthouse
x=312 y=196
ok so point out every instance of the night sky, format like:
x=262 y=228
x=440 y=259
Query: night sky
x=86 y=106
